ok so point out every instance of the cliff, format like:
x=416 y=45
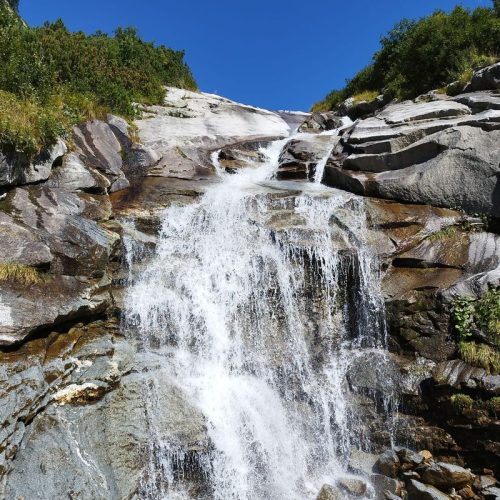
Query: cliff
x=84 y=218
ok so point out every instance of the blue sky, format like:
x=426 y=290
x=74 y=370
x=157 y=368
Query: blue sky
x=277 y=54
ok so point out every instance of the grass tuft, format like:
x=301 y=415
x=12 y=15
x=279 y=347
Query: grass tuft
x=367 y=95
x=481 y=355
x=461 y=402
x=25 y=275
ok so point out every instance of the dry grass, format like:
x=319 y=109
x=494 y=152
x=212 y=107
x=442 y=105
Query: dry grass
x=25 y=275
x=367 y=95
x=481 y=355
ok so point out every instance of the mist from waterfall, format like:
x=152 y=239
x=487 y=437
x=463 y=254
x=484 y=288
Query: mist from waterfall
x=259 y=296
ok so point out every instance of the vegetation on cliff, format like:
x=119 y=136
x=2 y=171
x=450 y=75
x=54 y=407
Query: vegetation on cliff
x=418 y=56
x=482 y=315
x=51 y=78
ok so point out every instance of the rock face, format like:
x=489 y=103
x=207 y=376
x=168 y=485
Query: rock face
x=74 y=391
x=442 y=152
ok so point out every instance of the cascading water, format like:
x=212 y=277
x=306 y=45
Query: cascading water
x=258 y=297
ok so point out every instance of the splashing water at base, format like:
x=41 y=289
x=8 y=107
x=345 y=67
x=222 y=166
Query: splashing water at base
x=256 y=300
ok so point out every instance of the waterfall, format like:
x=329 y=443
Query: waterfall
x=258 y=297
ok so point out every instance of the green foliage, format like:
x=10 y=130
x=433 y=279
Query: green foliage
x=418 y=56
x=70 y=76
x=483 y=314
x=463 y=317
x=461 y=402
x=494 y=405
x=488 y=314
x=331 y=101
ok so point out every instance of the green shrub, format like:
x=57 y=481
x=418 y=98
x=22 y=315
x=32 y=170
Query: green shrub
x=488 y=314
x=69 y=76
x=461 y=402
x=483 y=314
x=418 y=56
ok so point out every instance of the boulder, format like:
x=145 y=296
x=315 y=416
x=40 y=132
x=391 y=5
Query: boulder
x=409 y=457
x=459 y=375
x=74 y=175
x=491 y=493
x=17 y=169
x=329 y=492
x=353 y=486
x=374 y=371
x=388 y=464
x=485 y=79
x=321 y=122
x=420 y=491
x=382 y=484
x=21 y=245
x=446 y=476
x=355 y=108
x=55 y=300
x=361 y=462
x=98 y=147
x=301 y=157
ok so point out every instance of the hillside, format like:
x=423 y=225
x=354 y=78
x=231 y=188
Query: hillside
x=418 y=56
x=52 y=79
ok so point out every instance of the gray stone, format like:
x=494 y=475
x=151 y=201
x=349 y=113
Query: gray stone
x=300 y=158
x=447 y=476
x=16 y=169
x=374 y=371
x=473 y=159
x=420 y=491
x=480 y=100
x=410 y=457
x=20 y=245
x=361 y=462
x=382 y=484
x=485 y=79
x=491 y=493
x=354 y=486
x=329 y=492
x=410 y=111
x=97 y=444
x=320 y=122
x=459 y=375
x=355 y=108
x=388 y=464
x=74 y=175
x=56 y=300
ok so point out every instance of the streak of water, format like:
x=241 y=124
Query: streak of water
x=256 y=300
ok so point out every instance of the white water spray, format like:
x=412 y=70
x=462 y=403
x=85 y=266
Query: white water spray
x=246 y=303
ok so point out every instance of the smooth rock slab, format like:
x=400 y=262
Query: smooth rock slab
x=464 y=176
x=410 y=111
